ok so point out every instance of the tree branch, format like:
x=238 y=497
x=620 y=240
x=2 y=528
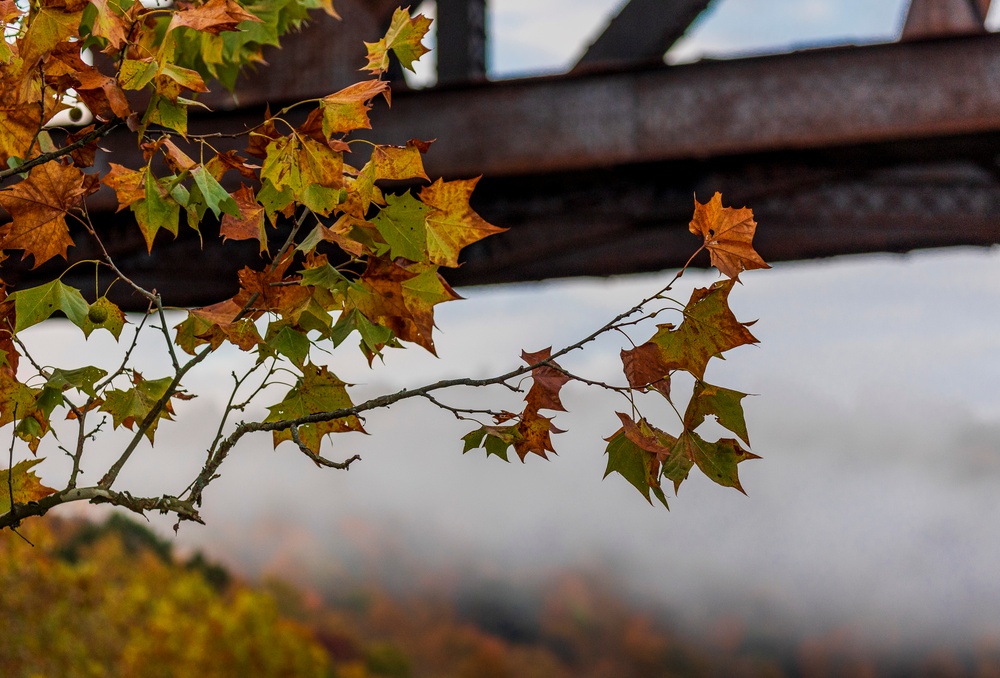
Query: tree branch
x=97 y=133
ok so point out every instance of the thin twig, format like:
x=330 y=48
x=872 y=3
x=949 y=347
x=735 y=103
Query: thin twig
x=321 y=461
x=97 y=133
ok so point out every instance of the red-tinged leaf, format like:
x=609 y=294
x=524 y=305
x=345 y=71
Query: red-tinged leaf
x=250 y=224
x=25 y=484
x=546 y=382
x=84 y=155
x=534 y=434
x=215 y=16
x=452 y=223
x=39 y=205
x=644 y=368
x=400 y=298
x=722 y=403
x=177 y=160
x=648 y=437
x=101 y=94
x=202 y=325
x=709 y=329
x=319 y=390
x=403 y=38
x=728 y=235
x=262 y=136
x=639 y=467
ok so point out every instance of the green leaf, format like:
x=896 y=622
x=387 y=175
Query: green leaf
x=137 y=74
x=34 y=305
x=317 y=391
x=82 y=379
x=104 y=314
x=325 y=276
x=130 y=408
x=403 y=38
x=216 y=197
x=496 y=440
x=716 y=460
x=156 y=210
x=401 y=223
x=636 y=465
x=288 y=342
x=722 y=403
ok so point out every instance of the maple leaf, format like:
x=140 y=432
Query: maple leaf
x=347 y=110
x=400 y=298
x=318 y=390
x=103 y=314
x=709 y=329
x=202 y=325
x=214 y=17
x=398 y=163
x=38 y=206
x=716 y=460
x=32 y=306
x=721 y=403
x=109 y=24
x=728 y=234
x=640 y=468
x=452 y=223
x=546 y=382
x=131 y=407
x=51 y=23
x=25 y=484
x=401 y=223
x=534 y=434
x=128 y=184
x=494 y=439
x=403 y=38
x=16 y=399
x=249 y=225
x=644 y=368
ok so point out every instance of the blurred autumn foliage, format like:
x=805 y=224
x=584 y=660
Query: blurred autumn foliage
x=112 y=600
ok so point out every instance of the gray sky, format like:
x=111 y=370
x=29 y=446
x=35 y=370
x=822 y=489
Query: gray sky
x=877 y=418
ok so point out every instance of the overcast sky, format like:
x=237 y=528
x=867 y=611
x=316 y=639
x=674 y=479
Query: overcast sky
x=877 y=418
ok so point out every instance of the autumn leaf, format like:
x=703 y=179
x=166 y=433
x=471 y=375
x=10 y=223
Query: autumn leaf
x=546 y=382
x=400 y=298
x=25 y=484
x=249 y=225
x=452 y=223
x=38 y=206
x=83 y=379
x=644 y=368
x=398 y=163
x=709 y=329
x=109 y=24
x=128 y=184
x=214 y=17
x=318 y=390
x=534 y=434
x=347 y=110
x=403 y=38
x=728 y=234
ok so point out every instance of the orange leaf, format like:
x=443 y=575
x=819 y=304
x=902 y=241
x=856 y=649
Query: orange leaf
x=546 y=382
x=728 y=234
x=250 y=224
x=39 y=205
x=25 y=484
x=215 y=16
x=452 y=223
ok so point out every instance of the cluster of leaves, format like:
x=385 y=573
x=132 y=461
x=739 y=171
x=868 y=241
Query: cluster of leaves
x=352 y=257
